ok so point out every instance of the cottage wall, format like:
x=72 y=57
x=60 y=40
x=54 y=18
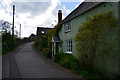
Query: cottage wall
x=105 y=64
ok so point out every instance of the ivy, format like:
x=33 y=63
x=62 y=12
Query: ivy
x=53 y=31
x=91 y=31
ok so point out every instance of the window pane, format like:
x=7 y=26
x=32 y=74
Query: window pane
x=68 y=26
x=71 y=46
x=67 y=45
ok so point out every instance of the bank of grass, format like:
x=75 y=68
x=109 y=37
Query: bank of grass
x=70 y=62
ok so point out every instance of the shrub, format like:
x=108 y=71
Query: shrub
x=58 y=57
x=52 y=32
x=92 y=32
x=68 y=61
x=36 y=44
x=41 y=42
x=48 y=53
x=7 y=42
x=45 y=49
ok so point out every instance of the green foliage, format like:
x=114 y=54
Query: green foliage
x=91 y=32
x=22 y=41
x=42 y=45
x=41 y=42
x=58 y=57
x=70 y=62
x=57 y=29
x=36 y=43
x=50 y=33
x=53 y=31
x=48 y=53
x=6 y=42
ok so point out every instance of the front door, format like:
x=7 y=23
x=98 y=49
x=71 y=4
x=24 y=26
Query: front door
x=57 y=47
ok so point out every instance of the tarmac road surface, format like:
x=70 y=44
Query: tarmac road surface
x=27 y=62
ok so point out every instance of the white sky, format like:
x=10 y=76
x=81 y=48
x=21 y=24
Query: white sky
x=32 y=14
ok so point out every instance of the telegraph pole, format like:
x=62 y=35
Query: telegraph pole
x=13 y=27
x=20 y=31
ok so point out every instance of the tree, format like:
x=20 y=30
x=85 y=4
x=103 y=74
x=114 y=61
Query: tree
x=90 y=34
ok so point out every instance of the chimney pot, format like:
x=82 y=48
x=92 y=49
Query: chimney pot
x=60 y=11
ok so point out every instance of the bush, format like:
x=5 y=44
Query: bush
x=68 y=61
x=48 y=54
x=58 y=57
x=41 y=42
x=7 y=42
x=92 y=33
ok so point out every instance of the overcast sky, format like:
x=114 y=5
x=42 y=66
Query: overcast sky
x=37 y=13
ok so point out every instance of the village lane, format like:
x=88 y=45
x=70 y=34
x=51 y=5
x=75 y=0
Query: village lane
x=27 y=62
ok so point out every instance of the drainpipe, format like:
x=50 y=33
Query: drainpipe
x=54 y=47
x=52 y=50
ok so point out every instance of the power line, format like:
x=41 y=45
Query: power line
x=8 y=7
x=4 y=4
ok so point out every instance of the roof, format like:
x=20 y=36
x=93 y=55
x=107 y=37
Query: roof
x=83 y=7
x=43 y=28
x=56 y=38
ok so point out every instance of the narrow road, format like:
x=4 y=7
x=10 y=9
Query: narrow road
x=27 y=62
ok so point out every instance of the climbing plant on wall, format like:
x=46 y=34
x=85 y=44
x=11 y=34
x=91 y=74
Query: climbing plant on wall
x=53 y=31
x=91 y=32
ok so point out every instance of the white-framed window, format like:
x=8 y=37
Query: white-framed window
x=68 y=26
x=69 y=46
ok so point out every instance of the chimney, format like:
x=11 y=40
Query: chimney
x=59 y=16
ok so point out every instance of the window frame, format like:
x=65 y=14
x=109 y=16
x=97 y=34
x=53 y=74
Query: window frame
x=69 y=46
x=67 y=26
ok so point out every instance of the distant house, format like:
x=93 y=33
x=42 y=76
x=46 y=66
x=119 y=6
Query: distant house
x=64 y=40
x=42 y=30
x=32 y=36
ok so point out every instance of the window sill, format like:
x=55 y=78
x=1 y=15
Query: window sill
x=67 y=31
x=68 y=52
